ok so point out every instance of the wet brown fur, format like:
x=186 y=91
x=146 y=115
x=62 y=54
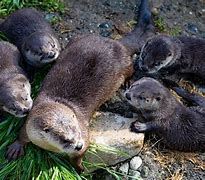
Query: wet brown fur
x=89 y=71
x=13 y=79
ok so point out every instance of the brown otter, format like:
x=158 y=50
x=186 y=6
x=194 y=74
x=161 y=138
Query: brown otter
x=89 y=71
x=87 y=74
x=28 y=30
x=15 y=88
x=182 y=128
x=174 y=55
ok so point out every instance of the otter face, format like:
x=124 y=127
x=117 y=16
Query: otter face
x=146 y=94
x=157 y=53
x=55 y=129
x=15 y=96
x=40 y=49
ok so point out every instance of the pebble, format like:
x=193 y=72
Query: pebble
x=134 y=175
x=192 y=28
x=124 y=168
x=135 y=163
x=105 y=29
x=145 y=171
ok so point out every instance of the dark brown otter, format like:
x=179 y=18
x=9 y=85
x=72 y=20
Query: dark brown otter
x=15 y=88
x=28 y=30
x=89 y=71
x=182 y=128
x=182 y=56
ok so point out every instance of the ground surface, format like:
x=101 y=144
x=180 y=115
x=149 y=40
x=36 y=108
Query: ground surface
x=110 y=18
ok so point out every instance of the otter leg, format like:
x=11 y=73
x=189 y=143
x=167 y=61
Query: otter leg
x=195 y=99
x=143 y=127
x=76 y=162
x=16 y=150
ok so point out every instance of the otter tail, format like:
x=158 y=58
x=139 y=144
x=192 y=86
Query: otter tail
x=144 y=29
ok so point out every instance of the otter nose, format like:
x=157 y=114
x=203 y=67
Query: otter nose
x=79 y=146
x=128 y=96
x=25 y=111
x=51 y=55
x=144 y=68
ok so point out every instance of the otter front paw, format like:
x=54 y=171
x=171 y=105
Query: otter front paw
x=138 y=127
x=14 y=151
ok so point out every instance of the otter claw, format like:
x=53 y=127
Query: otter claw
x=14 y=151
x=138 y=127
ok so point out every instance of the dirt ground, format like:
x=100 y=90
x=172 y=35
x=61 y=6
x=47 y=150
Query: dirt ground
x=109 y=18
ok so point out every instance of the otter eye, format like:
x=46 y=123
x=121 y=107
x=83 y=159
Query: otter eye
x=66 y=141
x=170 y=54
x=46 y=130
x=157 y=64
x=158 y=98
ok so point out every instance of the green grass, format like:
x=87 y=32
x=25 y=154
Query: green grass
x=9 y=6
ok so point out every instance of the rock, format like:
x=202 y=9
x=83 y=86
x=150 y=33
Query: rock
x=135 y=163
x=192 y=28
x=124 y=168
x=145 y=171
x=112 y=141
x=134 y=175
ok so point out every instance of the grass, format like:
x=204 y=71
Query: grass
x=9 y=6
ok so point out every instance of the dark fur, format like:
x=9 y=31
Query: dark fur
x=182 y=128
x=144 y=29
x=190 y=60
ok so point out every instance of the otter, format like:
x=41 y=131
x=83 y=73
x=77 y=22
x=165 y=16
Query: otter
x=88 y=72
x=181 y=56
x=182 y=128
x=15 y=89
x=27 y=29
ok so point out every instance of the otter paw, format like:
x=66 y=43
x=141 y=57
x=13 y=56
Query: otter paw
x=138 y=127
x=14 y=151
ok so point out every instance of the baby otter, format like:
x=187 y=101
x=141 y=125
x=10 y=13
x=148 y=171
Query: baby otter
x=89 y=71
x=15 y=88
x=181 y=127
x=28 y=30
x=175 y=55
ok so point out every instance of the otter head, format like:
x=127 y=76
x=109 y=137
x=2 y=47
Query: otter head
x=55 y=127
x=40 y=48
x=147 y=94
x=159 y=52
x=15 y=96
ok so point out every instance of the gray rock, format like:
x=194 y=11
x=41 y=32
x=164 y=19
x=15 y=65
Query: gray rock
x=124 y=168
x=112 y=140
x=145 y=171
x=134 y=175
x=135 y=163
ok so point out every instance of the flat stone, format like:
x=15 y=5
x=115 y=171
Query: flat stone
x=135 y=163
x=111 y=140
x=124 y=168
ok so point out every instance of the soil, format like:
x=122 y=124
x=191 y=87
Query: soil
x=110 y=18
